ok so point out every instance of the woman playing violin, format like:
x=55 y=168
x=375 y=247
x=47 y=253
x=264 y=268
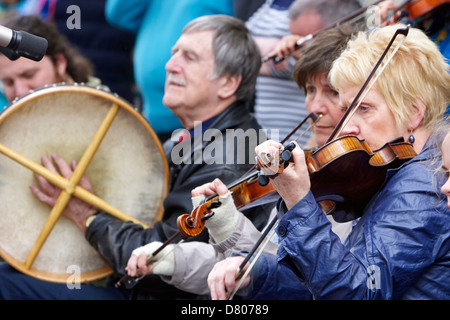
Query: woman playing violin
x=399 y=248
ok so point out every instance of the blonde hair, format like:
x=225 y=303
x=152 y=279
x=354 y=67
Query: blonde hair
x=417 y=73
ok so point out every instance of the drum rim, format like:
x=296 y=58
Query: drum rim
x=18 y=103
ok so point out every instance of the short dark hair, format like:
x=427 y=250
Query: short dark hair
x=318 y=58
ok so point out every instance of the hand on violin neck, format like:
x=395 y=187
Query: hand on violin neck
x=384 y=8
x=200 y=193
x=223 y=223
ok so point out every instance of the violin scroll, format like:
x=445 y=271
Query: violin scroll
x=270 y=166
x=191 y=225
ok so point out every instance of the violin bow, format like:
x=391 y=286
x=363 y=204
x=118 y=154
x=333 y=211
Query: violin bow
x=239 y=272
x=351 y=110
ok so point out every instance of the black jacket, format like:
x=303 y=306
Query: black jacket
x=115 y=240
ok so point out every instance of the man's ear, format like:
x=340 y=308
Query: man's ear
x=229 y=85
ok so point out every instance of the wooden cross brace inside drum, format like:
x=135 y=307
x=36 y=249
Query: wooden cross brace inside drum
x=69 y=187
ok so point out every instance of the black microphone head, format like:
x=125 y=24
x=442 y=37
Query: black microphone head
x=9 y=53
x=30 y=46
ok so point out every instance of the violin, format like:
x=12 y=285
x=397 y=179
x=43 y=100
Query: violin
x=346 y=173
x=415 y=9
x=408 y=10
x=243 y=193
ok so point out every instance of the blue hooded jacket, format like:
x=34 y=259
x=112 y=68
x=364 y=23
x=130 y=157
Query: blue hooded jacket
x=399 y=249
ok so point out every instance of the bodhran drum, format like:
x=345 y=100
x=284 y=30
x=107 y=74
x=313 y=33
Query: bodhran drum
x=128 y=171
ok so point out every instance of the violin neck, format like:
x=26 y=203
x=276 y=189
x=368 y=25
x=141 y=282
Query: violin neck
x=248 y=192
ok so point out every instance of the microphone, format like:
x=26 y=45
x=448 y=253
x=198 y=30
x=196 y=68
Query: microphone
x=15 y=44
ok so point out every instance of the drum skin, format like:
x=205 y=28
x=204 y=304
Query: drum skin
x=128 y=171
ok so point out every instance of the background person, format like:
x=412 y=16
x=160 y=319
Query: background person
x=445 y=150
x=61 y=63
x=279 y=102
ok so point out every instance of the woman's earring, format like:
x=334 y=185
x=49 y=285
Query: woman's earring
x=411 y=138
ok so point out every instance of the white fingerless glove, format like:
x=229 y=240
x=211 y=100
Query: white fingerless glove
x=164 y=262
x=223 y=223
x=196 y=201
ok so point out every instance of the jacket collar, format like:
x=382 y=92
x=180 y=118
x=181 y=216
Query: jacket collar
x=231 y=116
